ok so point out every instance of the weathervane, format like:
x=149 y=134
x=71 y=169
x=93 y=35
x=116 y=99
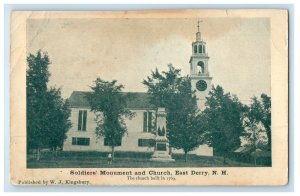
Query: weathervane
x=199 y=24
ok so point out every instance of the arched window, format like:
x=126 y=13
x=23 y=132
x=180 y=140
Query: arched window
x=200 y=67
x=195 y=49
x=200 y=48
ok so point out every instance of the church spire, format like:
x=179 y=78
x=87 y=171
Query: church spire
x=200 y=78
x=198 y=34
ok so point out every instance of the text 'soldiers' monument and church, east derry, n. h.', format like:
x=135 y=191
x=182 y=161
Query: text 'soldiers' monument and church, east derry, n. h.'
x=141 y=137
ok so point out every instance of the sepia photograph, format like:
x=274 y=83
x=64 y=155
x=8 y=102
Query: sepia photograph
x=165 y=90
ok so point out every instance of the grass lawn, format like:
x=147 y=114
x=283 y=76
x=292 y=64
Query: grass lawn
x=124 y=160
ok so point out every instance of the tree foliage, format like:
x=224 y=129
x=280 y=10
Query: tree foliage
x=255 y=135
x=47 y=112
x=173 y=92
x=58 y=118
x=109 y=106
x=223 y=117
x=259 y=115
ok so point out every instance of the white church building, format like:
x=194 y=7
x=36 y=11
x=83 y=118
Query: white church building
x=140 y=136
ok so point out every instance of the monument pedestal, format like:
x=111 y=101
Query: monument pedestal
x=161 y=157
x=161 y=150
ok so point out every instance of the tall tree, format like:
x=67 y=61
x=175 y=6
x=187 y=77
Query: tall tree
x=47 y=112
x=109 y=106
x=173 y=92
x=259 y=112
x=223 y=119
x=37 y=77
x=58 y=118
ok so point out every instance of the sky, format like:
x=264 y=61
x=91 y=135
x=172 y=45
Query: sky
x=127 y=50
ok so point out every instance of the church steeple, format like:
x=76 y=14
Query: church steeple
x=200 y=78
x=199 y=54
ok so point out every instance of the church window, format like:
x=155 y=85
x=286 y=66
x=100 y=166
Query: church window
x=80 y=141
x=107 y=142
x=200 y=48
x=195 y=49
x=147 y=122
x=200 y=67
x=82 y=120
x=146 y=142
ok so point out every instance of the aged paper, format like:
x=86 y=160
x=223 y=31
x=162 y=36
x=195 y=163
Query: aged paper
x=244 y=51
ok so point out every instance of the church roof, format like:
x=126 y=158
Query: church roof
x=135 y=100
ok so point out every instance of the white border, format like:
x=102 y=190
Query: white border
x=294 y=83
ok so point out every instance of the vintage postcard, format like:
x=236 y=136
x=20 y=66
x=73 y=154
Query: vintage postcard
x=165 y=98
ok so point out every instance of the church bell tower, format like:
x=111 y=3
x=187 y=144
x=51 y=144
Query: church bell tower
x=200 y=78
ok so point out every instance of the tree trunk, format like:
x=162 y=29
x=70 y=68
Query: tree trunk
x=53 y=153
x=38 y=154
x=112 y=153
x=56 y=152
x=185 y=154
